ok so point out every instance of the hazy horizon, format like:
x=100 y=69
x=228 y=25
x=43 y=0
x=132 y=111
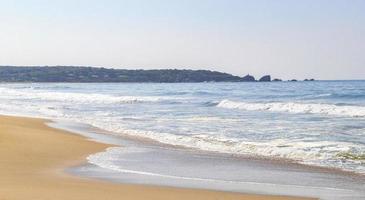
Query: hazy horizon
x=285 y=39
x=257 y=76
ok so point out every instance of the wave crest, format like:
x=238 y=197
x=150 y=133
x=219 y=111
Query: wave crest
x=318 y=153
x=291 y=107
x=77 y=97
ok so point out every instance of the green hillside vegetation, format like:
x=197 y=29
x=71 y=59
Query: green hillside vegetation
x=92 y=74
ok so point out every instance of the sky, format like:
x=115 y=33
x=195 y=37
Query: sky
x=322 y=39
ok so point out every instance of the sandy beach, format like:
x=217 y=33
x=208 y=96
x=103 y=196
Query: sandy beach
x=34 y=155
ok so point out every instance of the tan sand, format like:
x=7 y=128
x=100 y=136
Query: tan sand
x=33 y=156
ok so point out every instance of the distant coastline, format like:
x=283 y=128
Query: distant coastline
x=81 y=74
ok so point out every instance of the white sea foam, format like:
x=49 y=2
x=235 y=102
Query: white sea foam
x=75 y=97
x=291 y=107
x=320 y=153
x=118 y=159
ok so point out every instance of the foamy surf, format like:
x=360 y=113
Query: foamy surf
x=292 y=107
x=341 y=155
x=77 y=97
x=107 y=160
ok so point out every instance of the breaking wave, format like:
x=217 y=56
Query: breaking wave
x=77 y=97
x=342 y=155
x=291 y=107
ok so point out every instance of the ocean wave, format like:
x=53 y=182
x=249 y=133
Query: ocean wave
x=76 y=97
x=358 y=95
x=291 y=107
x=210 y=103
x=319 y=153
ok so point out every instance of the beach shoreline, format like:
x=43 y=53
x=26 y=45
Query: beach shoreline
x=171 y=166
x=34 y=157
x=85 y=131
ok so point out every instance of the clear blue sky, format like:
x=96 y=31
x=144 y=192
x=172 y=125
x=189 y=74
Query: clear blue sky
x=323 y=39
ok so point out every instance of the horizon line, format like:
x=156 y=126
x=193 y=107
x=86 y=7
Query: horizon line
x=110 y=67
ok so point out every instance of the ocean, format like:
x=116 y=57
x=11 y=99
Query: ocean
x=320 y=123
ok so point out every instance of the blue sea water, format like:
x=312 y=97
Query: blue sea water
x=319 y=123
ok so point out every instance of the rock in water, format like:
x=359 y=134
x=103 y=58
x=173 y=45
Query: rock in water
x=266 y=78
x=248 y=78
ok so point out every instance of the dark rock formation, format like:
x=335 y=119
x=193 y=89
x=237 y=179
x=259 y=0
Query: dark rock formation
x=276 y=80
x=293 y=80
x=248 y=78
x=266 y=78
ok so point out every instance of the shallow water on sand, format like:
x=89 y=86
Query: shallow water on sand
x=145 y=162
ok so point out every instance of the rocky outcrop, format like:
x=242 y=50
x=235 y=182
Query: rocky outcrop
x=248 y=78
x=266 y=78
x=277 y=80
